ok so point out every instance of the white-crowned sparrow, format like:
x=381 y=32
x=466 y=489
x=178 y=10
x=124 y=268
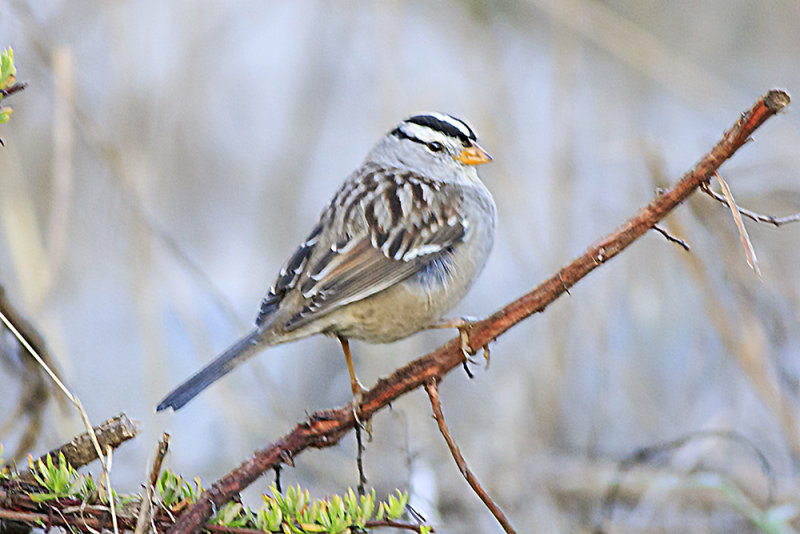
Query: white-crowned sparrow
x=397 y=247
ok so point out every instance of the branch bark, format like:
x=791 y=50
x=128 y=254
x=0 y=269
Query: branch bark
x=80 y=451
x=326 y=428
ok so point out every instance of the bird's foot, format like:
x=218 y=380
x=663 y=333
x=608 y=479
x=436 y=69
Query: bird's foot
x=464 y=325
x=358 y=399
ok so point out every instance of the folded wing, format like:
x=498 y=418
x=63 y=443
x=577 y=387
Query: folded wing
x=391 y=230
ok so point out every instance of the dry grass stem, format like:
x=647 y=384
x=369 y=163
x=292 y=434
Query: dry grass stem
x=75 y=401
x=146 y=506
x=749 y=252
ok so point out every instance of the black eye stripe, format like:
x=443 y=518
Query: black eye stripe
x=444 y=127
x=397 y=132
x=433 y=146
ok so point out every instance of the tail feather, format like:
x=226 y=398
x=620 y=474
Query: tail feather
x=237 y=353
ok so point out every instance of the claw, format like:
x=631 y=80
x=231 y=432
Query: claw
x=286 y=457
x=465 y=364
x=365 y=425
x=358 y=399
x=357 y=412
x=462 y=330
x=463 y=324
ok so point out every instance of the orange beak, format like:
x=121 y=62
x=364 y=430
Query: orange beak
x=474 y=155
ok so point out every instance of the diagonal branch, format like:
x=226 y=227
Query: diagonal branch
x=432 y=388
x=326 y=428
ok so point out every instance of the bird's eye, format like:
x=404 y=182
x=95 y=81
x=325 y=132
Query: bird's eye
x=435 y=146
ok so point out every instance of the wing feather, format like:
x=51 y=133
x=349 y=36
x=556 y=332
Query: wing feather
x=387 y=226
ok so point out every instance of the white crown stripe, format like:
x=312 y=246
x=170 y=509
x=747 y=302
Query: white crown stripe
x=454 y=122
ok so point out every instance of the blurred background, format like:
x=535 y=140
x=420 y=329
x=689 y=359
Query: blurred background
x=168 y=156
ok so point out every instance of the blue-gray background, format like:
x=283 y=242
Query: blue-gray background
x=167 y=156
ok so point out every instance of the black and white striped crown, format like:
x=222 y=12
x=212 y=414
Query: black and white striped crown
x=438 y=122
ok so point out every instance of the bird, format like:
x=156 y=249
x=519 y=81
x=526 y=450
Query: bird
x=397 y=247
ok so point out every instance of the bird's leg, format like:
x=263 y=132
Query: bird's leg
x=463 y=324
x=355 y=386
x=358 y=396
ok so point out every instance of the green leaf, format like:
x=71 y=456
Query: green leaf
x=232 y=514
x=397 y=505
x=309 y=527
x=367 y=506
x=60 y=480
x=269 y=517
x=42 y=497
x=7 y=70
x=173 y=489
x=323 y=517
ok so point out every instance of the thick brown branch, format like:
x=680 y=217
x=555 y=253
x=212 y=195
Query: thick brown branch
x=432 y=388
x=325 y=428
x=80 y=451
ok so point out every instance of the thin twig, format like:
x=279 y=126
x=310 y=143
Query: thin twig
x=432 y=388
x=145 y=508
x=671 y=238
x=362 y=478
x=277 y=470
x=758 y=217
x=16 y=88
x=325 y=428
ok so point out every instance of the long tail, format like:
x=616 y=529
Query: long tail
x=237 y=353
